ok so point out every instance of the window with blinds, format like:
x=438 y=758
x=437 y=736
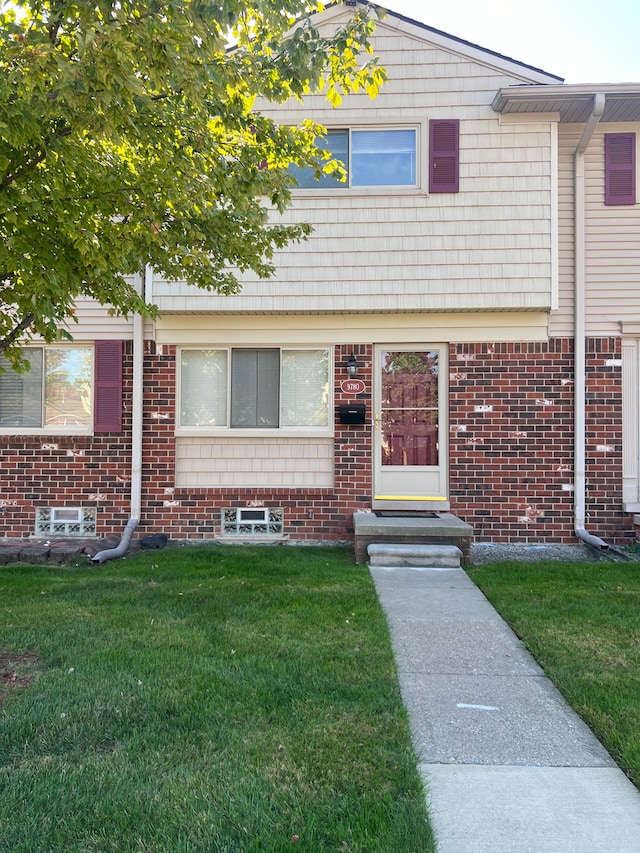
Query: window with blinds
x=56 y=393
x=254 y=388
x=371 y=158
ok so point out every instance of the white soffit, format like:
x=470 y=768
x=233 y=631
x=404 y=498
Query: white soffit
x=572 y=103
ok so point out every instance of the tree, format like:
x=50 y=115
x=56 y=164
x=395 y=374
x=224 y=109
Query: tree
x=129 y=135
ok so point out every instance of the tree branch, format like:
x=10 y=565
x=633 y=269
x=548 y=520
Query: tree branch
x=37 y=158
x=6 y=342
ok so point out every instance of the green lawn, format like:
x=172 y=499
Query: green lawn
x=203 y=699
x=582 y=623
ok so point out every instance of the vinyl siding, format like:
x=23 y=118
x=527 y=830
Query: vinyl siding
x=612 y=261
x=323 y=330
x=486 y=248
x=94 y=323
x=254 y=463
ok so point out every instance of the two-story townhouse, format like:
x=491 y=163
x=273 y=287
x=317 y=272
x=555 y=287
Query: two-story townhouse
x=460 y=334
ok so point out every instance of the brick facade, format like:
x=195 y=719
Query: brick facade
x=79 y=470
x=511 y=440
x=320 y=514
x=511 y=454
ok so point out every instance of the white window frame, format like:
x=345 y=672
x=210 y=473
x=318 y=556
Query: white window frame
x=252 y=432
x=62 y=427
x=421 y=127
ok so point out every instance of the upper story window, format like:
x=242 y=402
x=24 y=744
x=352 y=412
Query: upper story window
x=371 y=158
x=250 y=388
x=56 y=394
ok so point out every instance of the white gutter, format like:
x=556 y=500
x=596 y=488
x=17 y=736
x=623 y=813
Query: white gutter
x=579 y=420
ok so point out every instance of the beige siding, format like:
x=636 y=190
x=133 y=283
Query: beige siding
x=254 y=463
x=612 y=259
x=94 y=323
x=323 y=330
x=488 y=247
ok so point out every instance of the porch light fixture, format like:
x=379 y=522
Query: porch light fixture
x=352 y=367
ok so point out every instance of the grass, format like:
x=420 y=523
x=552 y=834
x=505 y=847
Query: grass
x=204 y=699
x=582 y=623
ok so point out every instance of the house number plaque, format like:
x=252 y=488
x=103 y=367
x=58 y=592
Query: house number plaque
x=352 y=386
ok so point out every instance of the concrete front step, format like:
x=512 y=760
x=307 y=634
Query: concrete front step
x=406 y=556
x=413 y=530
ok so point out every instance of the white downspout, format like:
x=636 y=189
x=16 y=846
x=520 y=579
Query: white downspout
x=136 y=405
x=579 y=479
x=136 y=438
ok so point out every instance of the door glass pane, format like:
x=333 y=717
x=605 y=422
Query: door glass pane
x=409 y=409
x=67 y=386
x=203 y=388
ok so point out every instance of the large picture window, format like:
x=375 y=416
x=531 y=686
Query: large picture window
x=254 y=388
x=55 y=394
x=371 y=158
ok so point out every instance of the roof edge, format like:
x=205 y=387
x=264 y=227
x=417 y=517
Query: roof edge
x=449 y=37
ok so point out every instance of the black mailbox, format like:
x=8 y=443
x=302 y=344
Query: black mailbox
x=354 y=413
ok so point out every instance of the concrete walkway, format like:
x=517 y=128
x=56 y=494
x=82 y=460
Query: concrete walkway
x=508 y=766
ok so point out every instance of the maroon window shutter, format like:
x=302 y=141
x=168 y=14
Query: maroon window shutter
x=619 y=168
x=107 y=387
x=444 y=155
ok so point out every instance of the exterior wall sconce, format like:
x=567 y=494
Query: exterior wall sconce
x=352 y=367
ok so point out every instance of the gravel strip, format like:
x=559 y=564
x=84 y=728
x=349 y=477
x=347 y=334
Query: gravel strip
x=492 y=552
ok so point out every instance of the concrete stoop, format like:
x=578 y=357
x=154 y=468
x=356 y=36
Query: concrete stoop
x=392 y=556
x=437 y=529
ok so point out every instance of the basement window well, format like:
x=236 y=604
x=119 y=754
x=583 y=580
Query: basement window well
x=265 y=521
x=65 y=521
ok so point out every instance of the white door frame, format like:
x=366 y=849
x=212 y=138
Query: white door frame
x=420 y=489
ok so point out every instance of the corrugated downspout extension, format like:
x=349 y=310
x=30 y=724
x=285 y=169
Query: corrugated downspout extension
x=121 y=549
x=579 y=480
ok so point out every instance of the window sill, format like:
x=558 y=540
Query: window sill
x=253 y=538
x=359 y=192
x=45 y=432
x=252 y=433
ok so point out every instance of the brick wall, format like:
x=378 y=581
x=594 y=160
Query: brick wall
x=51 y=470
x=321 y=514
x=511 y=440
x=511 y=454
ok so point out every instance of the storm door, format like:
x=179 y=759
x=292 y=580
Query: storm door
x=410 y=428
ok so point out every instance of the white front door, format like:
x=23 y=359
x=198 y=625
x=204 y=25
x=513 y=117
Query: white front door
x=410 y=431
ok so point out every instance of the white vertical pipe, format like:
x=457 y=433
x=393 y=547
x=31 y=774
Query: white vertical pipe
x=579 y=420
x=136 y=413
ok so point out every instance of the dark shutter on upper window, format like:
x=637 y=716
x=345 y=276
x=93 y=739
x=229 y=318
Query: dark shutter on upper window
x=444 y=155
x=107 y=387
x=619 y=168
